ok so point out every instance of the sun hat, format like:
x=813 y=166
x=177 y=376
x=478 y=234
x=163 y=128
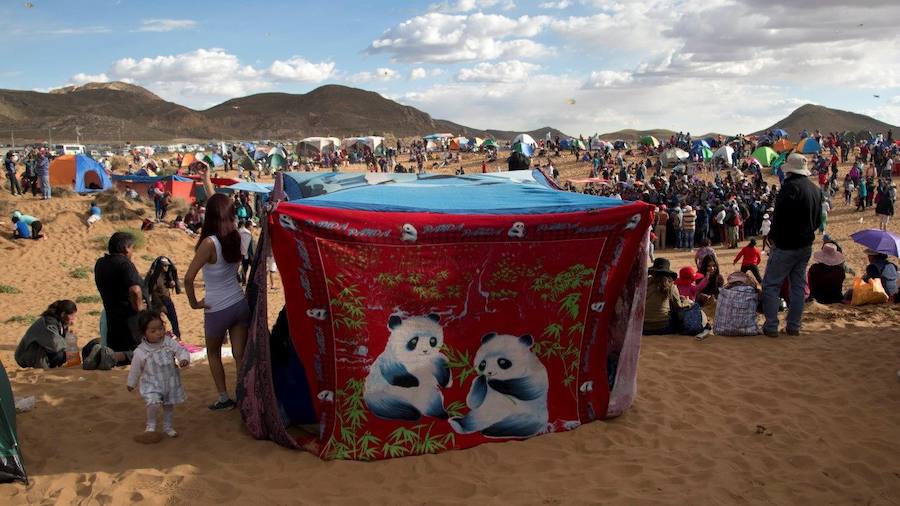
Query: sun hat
x=796 y=164
x=662 y=266
x=687 y=276
x=829 y=255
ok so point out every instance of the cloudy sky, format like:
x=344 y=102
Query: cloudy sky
x=583 y=66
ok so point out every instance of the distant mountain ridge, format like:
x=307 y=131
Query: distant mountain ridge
x=116 y=111
x=816 y=117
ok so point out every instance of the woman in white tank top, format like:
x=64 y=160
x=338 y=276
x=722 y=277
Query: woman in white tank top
x=226 y=312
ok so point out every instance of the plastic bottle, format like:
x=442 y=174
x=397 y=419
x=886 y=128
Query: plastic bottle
x=73 y=354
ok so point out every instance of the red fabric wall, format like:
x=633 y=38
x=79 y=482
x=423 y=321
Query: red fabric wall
x=362 y=286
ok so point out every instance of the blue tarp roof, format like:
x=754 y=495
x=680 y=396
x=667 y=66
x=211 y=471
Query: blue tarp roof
x=460 y=195
x=148 y=179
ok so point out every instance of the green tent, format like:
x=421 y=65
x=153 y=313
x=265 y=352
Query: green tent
x=707 y=154
x=489 y=143
x=11 y=467
x=578 y=144
x=276 y=161
x=247 y=163
x=649 y=140
x=765 y=155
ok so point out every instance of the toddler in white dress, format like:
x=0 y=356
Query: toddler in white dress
x=154 y=364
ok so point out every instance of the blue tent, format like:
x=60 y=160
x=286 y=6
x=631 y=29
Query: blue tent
x=460 y=195
x=779 y=133
x=136 y=179
x=807 y=146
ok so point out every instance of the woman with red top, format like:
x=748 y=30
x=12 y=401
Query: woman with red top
x=749 y=257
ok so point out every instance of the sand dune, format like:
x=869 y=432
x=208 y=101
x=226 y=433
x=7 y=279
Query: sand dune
x=795 y=420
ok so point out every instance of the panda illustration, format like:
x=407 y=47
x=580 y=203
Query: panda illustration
x=404 y=381
x=509 y=396
x=633 y=222
x=408 y=233
x=517 y=231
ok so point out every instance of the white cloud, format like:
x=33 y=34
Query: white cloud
x=561 y=4
x=418 y=73
x=608 y=78
x=80 y=30
x=379 y=74
x=300 y=70
x=513 y=71
x=165 y=25
x=82 y=78
x=471 y=5
x=204 y=77
x=443 y=38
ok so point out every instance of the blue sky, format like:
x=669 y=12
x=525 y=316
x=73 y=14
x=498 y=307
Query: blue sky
x=583 y=66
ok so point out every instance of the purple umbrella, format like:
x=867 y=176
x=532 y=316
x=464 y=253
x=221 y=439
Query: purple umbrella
x=878 y=240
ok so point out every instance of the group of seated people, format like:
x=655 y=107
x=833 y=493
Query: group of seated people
x=674 y=301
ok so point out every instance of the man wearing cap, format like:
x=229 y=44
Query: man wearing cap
x=798 y=212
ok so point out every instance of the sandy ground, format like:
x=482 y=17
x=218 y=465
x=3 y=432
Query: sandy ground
x=795 y=420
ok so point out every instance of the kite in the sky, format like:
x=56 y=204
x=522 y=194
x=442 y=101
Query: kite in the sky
x=28 y=5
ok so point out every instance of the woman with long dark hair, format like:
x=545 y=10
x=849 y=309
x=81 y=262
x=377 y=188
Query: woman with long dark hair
x=218 y=254
x=44 y=344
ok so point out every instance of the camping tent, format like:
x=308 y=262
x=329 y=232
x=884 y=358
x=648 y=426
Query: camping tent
x=698 y=145
x=765 y=155
x=620 y=144
x=179 y=187
x=276 y=160
x=724 y=153
x=187 y=159
x=524 y=139
x=808 y=146
x=779 y=133
x=322 y=363
x=489 y=144
x=475 y=143
x=782 y=145
x=778 y=162
x=81 y=172
x=11 y=467
x=672 y=156
x=523 y=148
x=706 y=154
x=312 y=146
x=360 y=144
x=437 y=137
x=649 y=140
x=458 y=143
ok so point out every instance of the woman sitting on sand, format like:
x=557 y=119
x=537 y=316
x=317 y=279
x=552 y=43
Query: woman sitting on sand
x=663 y=300
x=826 y=276
x=218 y=253
x=44 y=344
x=712 y=277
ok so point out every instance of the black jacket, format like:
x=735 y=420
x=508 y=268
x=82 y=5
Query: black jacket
x=798 y=213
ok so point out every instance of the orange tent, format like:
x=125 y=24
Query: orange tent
x=80 y=172
x=782 y=145
x=187 y=160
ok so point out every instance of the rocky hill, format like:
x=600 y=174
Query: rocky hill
x=812 y=117
x=118 y=112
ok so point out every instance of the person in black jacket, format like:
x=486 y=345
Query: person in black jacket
x=798 y=212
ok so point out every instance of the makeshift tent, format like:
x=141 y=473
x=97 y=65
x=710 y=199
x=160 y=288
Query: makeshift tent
x=782 y=145
x=765 y=155
x=11 y=467
x=80 y=172
x=649 y=140
x=672 y=156
x=807 y=146
x=620 y=144
x=312 y=146
x=779 y=133
x=179 y=187
x=724 y=153
x=525 y=149
x=454 y=267
x=525 y=139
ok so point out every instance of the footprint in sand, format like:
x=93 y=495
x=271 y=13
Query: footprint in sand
x=148 y=438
